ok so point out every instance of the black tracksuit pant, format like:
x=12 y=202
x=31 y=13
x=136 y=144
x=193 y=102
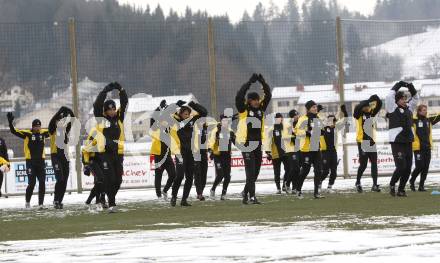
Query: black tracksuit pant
x=61 y=169
x=111 y=164
x=36 y=169
x=1 y=181
x=363 y=161
x=295 y=167
x=201 y=172
x=184 y=168
x=329 y=165
x=277 y=170
x=163 y=164
x=222 y=164
x=422 y=160
x=98 y=190
x=252 y=162
x=309 y=159
x=402 y=153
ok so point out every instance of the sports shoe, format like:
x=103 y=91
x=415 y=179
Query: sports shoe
x=299 y=195
x=212 y=194
x=401 y=194
x=56 y=205
x=99 y=207
x=278 y=192
x=288 y=190
x=165 y=195
x=318 y=196
x=184 y=203
x=173 y=201
x=223 y=197
x=375 y=188
x=201 y=197
x=359 y=188
x=293 y=192
x=255 y=201
x=27 y=205
x=112 y=209
x=42 y=207
x=330 y=189
x=422 y=189
x=392 y=190
x=412 y=187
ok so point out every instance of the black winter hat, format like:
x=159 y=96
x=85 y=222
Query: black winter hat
x=253 y=96
x=278 y=115
x=109 y=104
x=36 y=122
x=293 y=113
x=399 y=95
x=310 y=104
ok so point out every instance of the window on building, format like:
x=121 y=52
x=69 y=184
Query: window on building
x=283 y=103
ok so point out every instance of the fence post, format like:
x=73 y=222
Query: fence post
x=212 y=69
x=340 y=54
x=74 y=81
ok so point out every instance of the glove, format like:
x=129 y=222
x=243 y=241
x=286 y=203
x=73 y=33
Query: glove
x=109 y=87
x=4 y=168
x=269 y=156
x=373 y=98
x=10 y=117
x=163 y=104
x=254 y=78
x=261 y=79
x=320 y=108
x=117 y=86
x=398 y=85
x=412 y=89
x=180 y=103
x=344 y=110
x=87 y=170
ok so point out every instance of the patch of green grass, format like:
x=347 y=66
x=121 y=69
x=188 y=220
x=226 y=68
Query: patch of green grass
x=344 y=210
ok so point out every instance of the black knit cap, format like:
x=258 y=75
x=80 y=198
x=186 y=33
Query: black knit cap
x=253 y=96
x=36 y=122
x=293 y=113
x=310 y=104
x=399 y=95
x=109 y=104
x=278 y=115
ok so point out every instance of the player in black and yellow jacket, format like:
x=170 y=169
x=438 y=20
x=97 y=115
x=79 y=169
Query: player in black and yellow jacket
x=328 y=147
x=309 y=128
x=250 y=132
x=292 y=149
x=422 y=145
x=59 y=136
x=220 y=143
x=186 y=121
x=362 y=113
x=4 y=162
x=34 y=155
x=278 y=154
x=111 y=125
x=93 y=166
x=163 y=146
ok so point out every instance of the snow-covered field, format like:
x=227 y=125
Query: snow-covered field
x=231 y=242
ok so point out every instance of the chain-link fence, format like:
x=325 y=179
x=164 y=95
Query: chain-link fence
x=209 y=60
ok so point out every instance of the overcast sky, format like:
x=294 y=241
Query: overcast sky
x=235 y=8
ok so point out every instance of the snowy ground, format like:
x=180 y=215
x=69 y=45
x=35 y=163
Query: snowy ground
x=231 y=242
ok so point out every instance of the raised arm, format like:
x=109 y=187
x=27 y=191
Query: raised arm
x=434 y=119
x=123 y=98
x=240 y=98
x=202 y=111
x=16 y=132
x=58 y=116
x=98 y=105
x=378 y=105
x=412 y=105
x=357 y=112
x=390 y=102
x=267 y=93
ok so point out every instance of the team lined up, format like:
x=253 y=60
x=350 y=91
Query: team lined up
x=183 y=141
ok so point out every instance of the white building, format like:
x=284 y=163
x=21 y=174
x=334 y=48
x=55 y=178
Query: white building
x=16 y=94
x=286 y=98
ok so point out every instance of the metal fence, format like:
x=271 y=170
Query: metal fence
x=67 y=63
